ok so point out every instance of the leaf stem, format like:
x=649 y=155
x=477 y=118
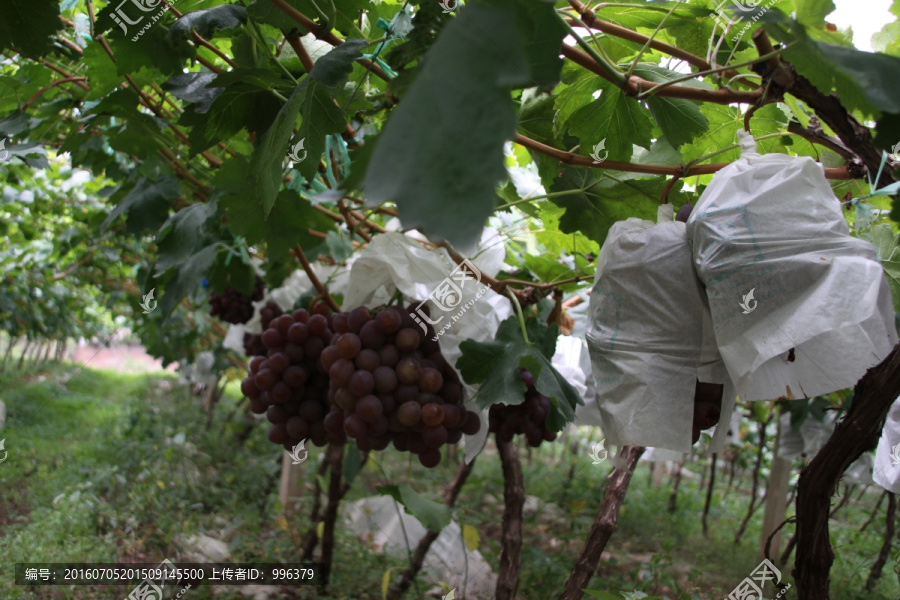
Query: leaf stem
x=650 y=39
x=614 y=74
x=519 y=314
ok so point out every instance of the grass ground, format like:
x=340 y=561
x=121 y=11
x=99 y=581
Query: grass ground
x=106 y=467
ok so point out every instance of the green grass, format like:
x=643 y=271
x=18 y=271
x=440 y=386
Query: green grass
x=111 y=468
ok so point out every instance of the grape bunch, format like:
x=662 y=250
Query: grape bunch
x=289 y=383
x=234 y=307
x=389 y=382
x=707 y=407
x=253 y=345
x=529 y=417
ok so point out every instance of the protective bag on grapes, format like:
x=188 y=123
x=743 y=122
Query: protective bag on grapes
x=800 y=308
x=650 y=338
x=886 y=471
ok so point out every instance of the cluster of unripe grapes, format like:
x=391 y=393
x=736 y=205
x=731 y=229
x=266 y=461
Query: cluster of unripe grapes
x=375 y=376
x=528 y=418
x=234 y=307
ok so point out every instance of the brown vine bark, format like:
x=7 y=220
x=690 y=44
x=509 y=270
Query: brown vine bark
x=336 y=459
x=874 y=511
x=410 y=572
x=709 y=493
x=885 y=551
x=511 y=543
x=858 y=432
x=604 y=525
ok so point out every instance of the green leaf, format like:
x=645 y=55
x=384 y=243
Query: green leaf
x=147 y=204
x=594 y=204
x=352 y=463
x=339 y=246
x=614 y=118
x=495 y=366
x=812 y=13
x=208 y=21
x=439 y=157
x=335 y=67
x=471 y=537
x=680 y=120
x=181 y=234
x=321 y=117
x=188 y=276
x=194 y=88
x=28 y=25
x=433 y=515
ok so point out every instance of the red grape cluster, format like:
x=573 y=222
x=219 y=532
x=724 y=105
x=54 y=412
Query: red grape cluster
x=707 y=407
x=529 y=417
x=253 y=345
x=234 y=307
x=390 y=383
x=289 y=383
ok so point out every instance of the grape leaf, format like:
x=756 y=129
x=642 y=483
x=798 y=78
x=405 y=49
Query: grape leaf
x=680 y=120
x=207 y=21
x=594 y=204
x=187 y=277
x=194 y=88
x=495 y=366
x=459 y=107
x=433 y=515
x=28 y=25
x=179 y=237
x=615 y=119
x=146 y=204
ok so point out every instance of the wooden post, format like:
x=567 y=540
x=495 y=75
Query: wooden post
x=776 y=500
x=291 y=482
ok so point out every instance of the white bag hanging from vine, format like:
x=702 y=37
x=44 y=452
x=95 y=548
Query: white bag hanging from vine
x=650 y=337
x=800 y=308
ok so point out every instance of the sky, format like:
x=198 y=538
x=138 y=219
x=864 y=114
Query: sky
x=866 y=17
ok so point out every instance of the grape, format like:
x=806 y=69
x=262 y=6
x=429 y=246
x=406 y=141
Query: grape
x=345 y=399
x=278 y=433
x=317 y=325
x=452 y=415
x=298 y=395
x=370 y=336
x=379 y=427
x=683 y=213
x=295 y=353
x=271 y=311
x=234 y=307
x=257 y=406
x=407 y=340
x=272 y=339
x=429 y=345
x=341 y=372
x=451 y=393
x=340 y=324
x=706 y=415
x=424 y=398
x=279 y=361
x=389 y=355
x=430 y=458
x=281 y=393
x=400 y=442
x=348 y=345
x=406 y=393
x=454 y=435
x=297 y=428
x=255 y=363
x=313 y=347
x=430 y=380
x=435 y=436
x=297 y=333
x=388 y=321
x=357 y=318
x=248 y=387
x=361 y=383
x=380 y=443
x=282 y=324
x=367 y=360
x=300 y=315
x=369 y=409
x=408 y=371
x=549 y=436
x=354 y=426
x=432 y=414
x=527 y=378
x=472 y=423
x=311 y=411
x=416 y=445
x=409 y=413
x=328 y=357
x=387 y=401
x=334 y=421
x=265 y=379
x=277 y=414
x=385 y=379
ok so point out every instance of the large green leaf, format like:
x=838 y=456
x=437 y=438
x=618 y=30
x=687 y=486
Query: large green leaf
x=321 y=117
x=29 y=26
x=440 y=156
x=593 y=204
x=195 y=88
x=433 y=515
x=146 y=204
x=614 y=119
x=680 y=120
x=495 y=366
x=208 y=21
x=182 y=233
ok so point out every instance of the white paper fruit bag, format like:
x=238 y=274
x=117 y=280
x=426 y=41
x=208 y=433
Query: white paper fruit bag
x=646 y=337
x=781 y=272
x=886 y=471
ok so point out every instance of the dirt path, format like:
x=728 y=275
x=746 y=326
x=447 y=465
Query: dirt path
x=125 y=358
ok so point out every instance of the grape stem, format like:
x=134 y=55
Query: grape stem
x=323 y=291
x=519 y=314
